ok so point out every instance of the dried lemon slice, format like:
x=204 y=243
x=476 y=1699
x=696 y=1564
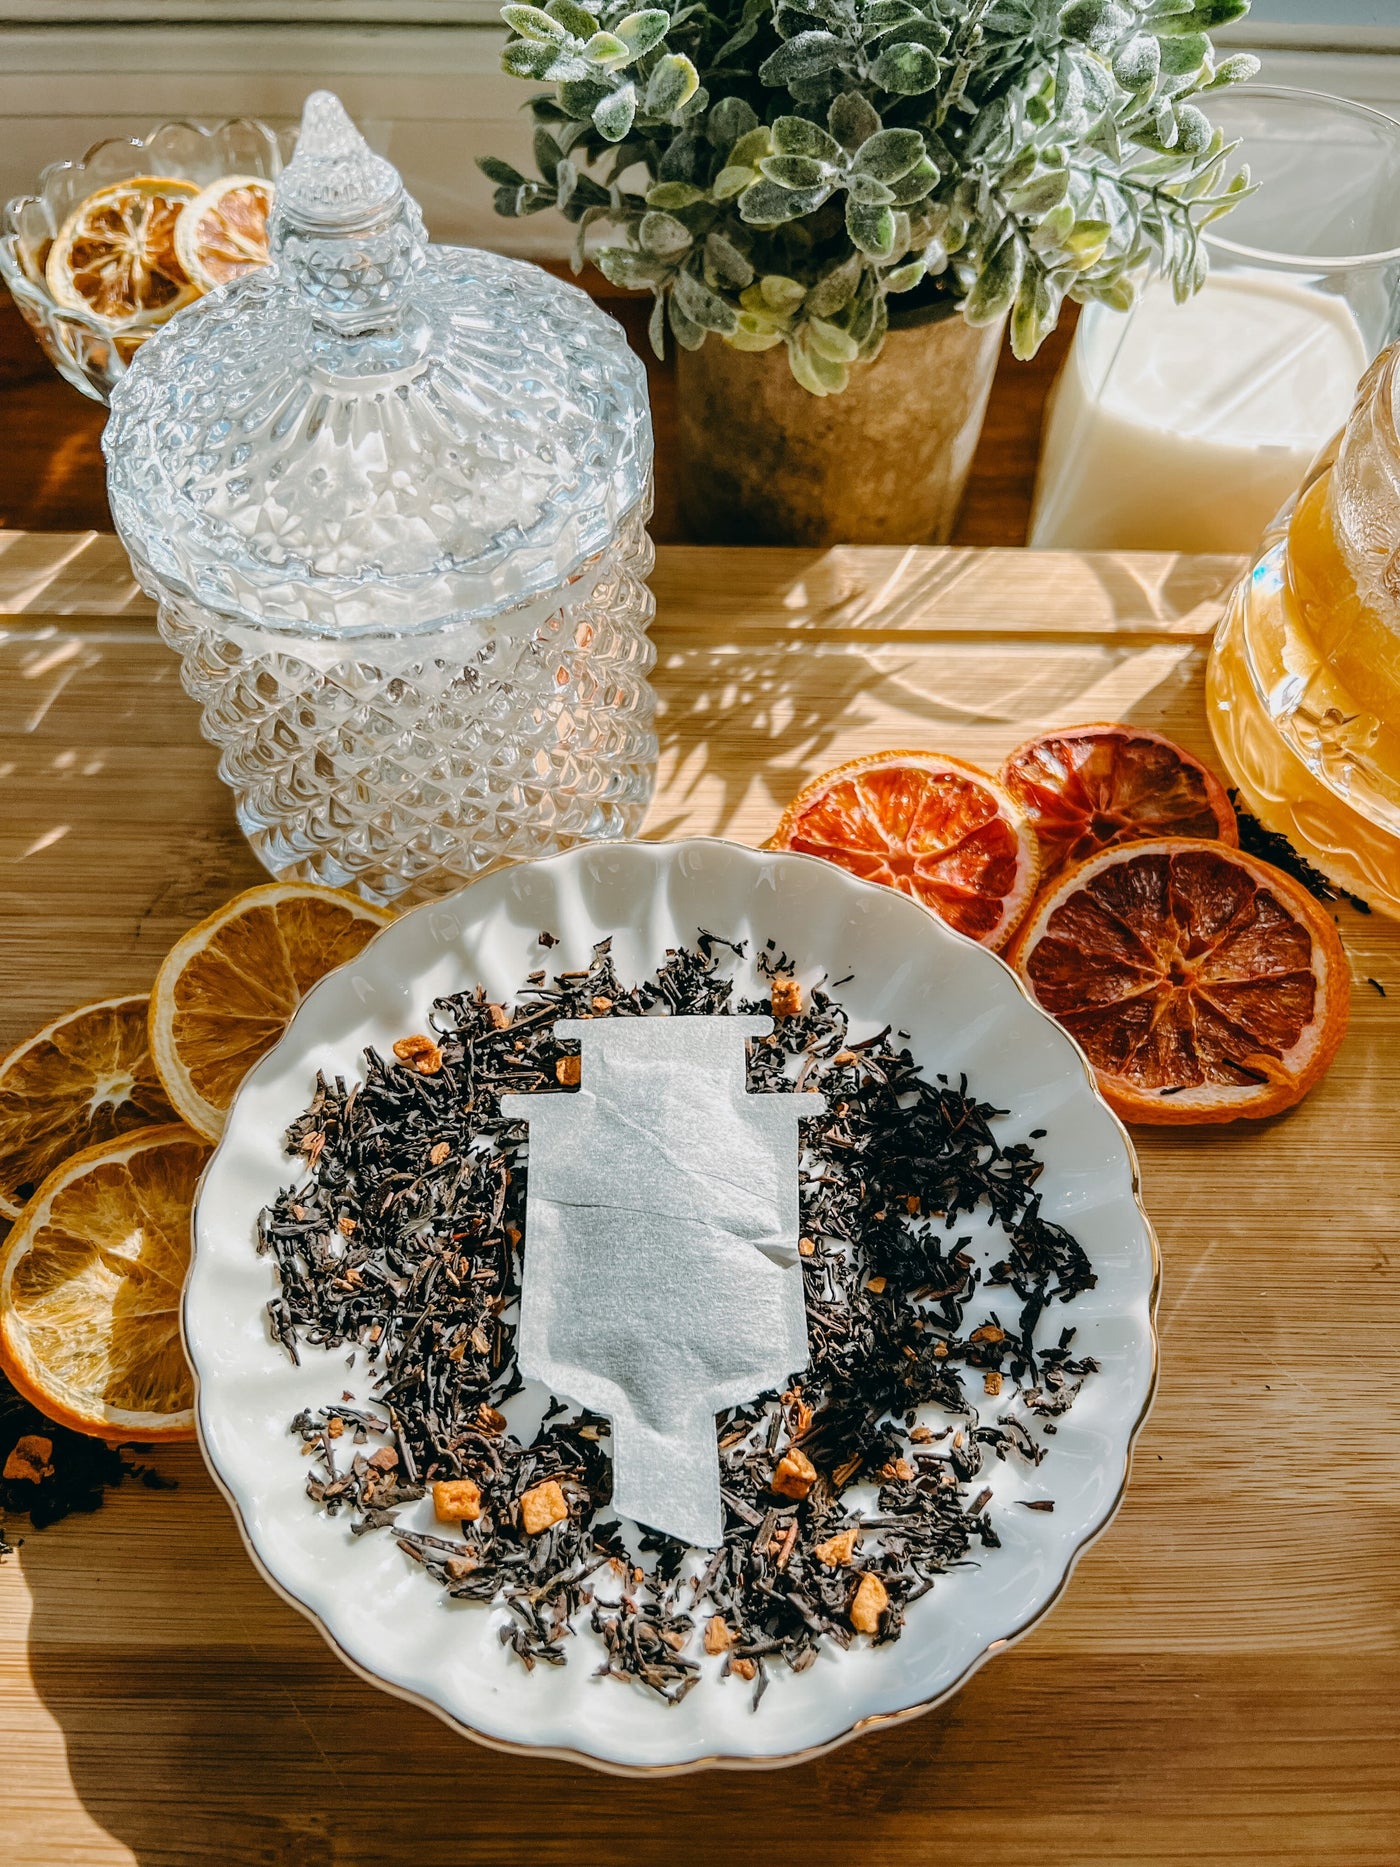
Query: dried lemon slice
x=86 y=1078
x=226 y=991
x=115 y=257
x=90 y=1283
x=222 y=233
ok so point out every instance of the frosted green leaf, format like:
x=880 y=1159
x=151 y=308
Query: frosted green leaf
x=804 y=56
x=1204 y=16
x=497 y=171
x=1193 y=129
x=1236 y=69
x=1054 y=229
x=1184 y=54
x=872 y=229
x=673 y=195
x=816 y=373
x=868 y=191
x=656 y=325
x=780 y=293
x=581 y=21
x=704 y=306
x=830 y=341
x=606 y=49
x=916 y=185
x=1136 y=64
x=852 y=120
x=752 y=147
x=1040 y=195
x=768 y=205
x=725 y=264
x=641 y=31
x=732 y=181
x=836 y=287
x=995 y=287
x=795 y=136
x=731 y=118
x=747 y=338
x=686 y=331
x=1032 y=316
x=673 y=83
x=1088 y=241
x=904 y=278
x=613 y=115
x=793 y=171
x=908 y=69
x=533 y=23
x=635 y=271
x=527 y=58
x=662 y=234
x=889 y=154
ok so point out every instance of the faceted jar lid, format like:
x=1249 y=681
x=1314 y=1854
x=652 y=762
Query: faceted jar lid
x=370 y=434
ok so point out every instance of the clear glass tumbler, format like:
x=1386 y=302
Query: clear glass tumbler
x=1185 y=427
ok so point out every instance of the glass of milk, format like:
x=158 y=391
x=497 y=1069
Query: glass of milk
x=1185 y=427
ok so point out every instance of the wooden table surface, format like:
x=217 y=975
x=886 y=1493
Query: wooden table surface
x=1221 y=1681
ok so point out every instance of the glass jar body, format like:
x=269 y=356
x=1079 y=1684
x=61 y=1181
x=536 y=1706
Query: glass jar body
x=403 y=766
x=1303 y=689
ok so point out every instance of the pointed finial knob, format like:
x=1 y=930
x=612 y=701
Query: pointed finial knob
x=334 y=181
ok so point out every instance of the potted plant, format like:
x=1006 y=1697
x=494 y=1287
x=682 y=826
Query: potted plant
x=821 y=185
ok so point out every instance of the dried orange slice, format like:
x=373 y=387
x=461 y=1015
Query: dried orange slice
x=115 y=257
x=222 y=233
x=1202 y=984
x=227 y=989
x=90 y=1283
x=85 y=1078
x=1093 y=787
x=933 y=827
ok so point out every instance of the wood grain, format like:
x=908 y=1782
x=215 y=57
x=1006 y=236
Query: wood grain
x=1221 y=1681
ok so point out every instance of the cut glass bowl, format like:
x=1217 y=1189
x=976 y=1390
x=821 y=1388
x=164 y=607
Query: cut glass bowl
x=92 y=352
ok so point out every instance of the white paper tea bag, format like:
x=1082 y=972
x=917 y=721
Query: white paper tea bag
x=662 y=1281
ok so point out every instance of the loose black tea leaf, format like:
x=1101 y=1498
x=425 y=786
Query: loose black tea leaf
x=1270 y=846
x=403 y=1241
x=49 y=1472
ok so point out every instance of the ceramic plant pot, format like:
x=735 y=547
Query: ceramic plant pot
x=884 y=462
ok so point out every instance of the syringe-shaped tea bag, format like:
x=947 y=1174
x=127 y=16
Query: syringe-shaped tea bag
x=662 y=1281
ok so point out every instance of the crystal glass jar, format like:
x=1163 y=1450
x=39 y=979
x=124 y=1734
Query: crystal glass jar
x=391 y=499
x=1303 y=689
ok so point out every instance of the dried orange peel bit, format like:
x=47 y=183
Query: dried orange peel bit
x=90 y=1282
x=1202 y=984
x=1091 y=787
x=222 y=232
x=227 y=989
x=935 y=828
x=114 y=257
x=86 y=1078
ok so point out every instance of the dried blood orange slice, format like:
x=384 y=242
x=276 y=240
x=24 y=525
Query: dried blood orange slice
x=222 y=233
x=1201 y=983
x=933 y=827
x=1092 y=787
x=115 y=254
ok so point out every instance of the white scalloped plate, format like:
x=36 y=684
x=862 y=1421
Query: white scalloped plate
x=964 y=1011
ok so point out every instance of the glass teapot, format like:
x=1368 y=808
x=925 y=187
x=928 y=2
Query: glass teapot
x=1303 y=689
x=391 y=500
